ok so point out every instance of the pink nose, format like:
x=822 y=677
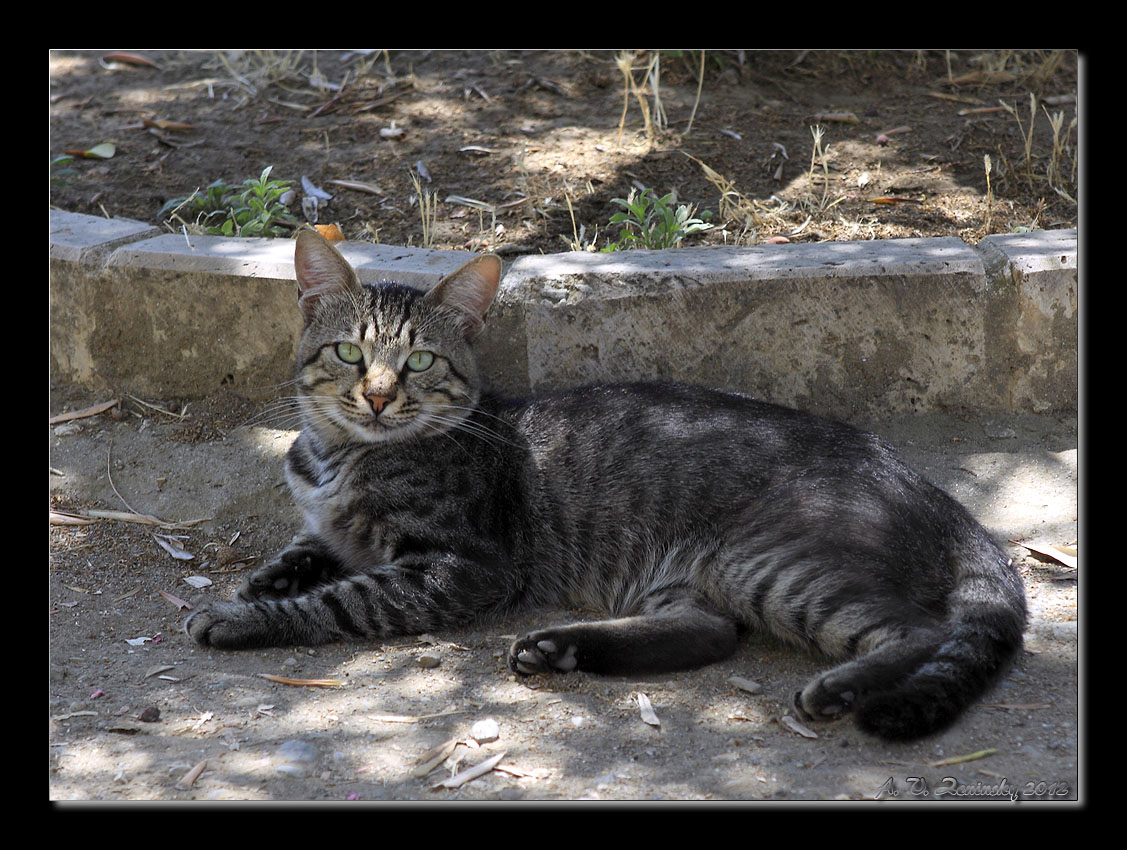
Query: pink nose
x=379 y=402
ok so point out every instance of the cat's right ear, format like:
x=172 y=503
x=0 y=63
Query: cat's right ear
x=320 y=270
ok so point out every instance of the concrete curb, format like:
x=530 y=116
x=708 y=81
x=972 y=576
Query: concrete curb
x=848 y=329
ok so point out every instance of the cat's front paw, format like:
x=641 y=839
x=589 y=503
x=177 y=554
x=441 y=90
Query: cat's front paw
x=217 y=625
x=540 y=653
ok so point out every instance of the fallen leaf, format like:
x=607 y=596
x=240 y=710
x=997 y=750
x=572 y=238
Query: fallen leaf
x=198 y=582
x=88 y=411
x=793 y=725
x=173 y=547
x=203 y=718
x=189 y=778
x=127 y=594
x=412 y=718
x=433 y=757
x=164 y=124
x=180 y=604
x=130 y=59
x=980 y=110
x=471 y=773
x=520 y=773
x=981 y=754
x=1062 y=554
x=953 y=98
x=58 y=518
x=74 y=714
x=357 y=186
x=647 y=710
x=102 y=151
x=985 y=77
x=309 y=188
x=311 y=683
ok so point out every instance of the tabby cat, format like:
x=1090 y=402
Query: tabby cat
x=684 y=514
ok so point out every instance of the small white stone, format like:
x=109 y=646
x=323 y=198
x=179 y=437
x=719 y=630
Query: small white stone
x=485 y=731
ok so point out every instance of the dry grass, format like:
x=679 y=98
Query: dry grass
x=653 y=119
x=428 y=209
x=255 y=70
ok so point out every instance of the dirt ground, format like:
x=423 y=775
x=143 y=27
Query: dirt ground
x=534 y=136
x=135 y=706
x=137 y=712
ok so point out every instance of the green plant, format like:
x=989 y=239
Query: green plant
x=652 y=222
x=60 y=169
x=253 y=208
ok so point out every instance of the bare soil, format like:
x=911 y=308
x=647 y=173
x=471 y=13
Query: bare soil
x=541 y=140
x=135 y=707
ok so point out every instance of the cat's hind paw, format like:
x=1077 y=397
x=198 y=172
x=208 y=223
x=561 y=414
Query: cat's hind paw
x=264 y=585
x=531 y=655
x=824 y=699
x=291 y=573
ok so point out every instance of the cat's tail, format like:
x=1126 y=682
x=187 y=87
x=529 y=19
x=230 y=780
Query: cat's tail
x=919 y=684
x=984 y=628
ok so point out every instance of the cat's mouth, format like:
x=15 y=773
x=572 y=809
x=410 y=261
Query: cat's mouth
x=375 y=423
x=400 y=419
x=404 y=418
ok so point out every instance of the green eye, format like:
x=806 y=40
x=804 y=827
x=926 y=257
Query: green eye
x=420 y=361
x=349 y=352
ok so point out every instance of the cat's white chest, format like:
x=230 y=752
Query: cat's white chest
x=315 y=484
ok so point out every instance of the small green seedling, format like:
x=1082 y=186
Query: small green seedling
x=652 y=222
x=61 y=170
x=253 y=208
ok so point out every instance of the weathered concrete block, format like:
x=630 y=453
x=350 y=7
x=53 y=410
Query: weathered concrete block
x=87 y=239
x=170 y=317
x=1032 y=333
x=842 y=328
x=853 y=330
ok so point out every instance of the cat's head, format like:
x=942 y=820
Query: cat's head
x=386 y=361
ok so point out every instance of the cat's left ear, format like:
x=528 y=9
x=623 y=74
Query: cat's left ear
x=468 y=292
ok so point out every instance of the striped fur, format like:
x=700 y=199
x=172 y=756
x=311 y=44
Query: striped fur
x=685 y=515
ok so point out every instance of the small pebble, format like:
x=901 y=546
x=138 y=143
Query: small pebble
x=428 y=661
x=485 y=731
x=745 y=684
x=293 y=758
